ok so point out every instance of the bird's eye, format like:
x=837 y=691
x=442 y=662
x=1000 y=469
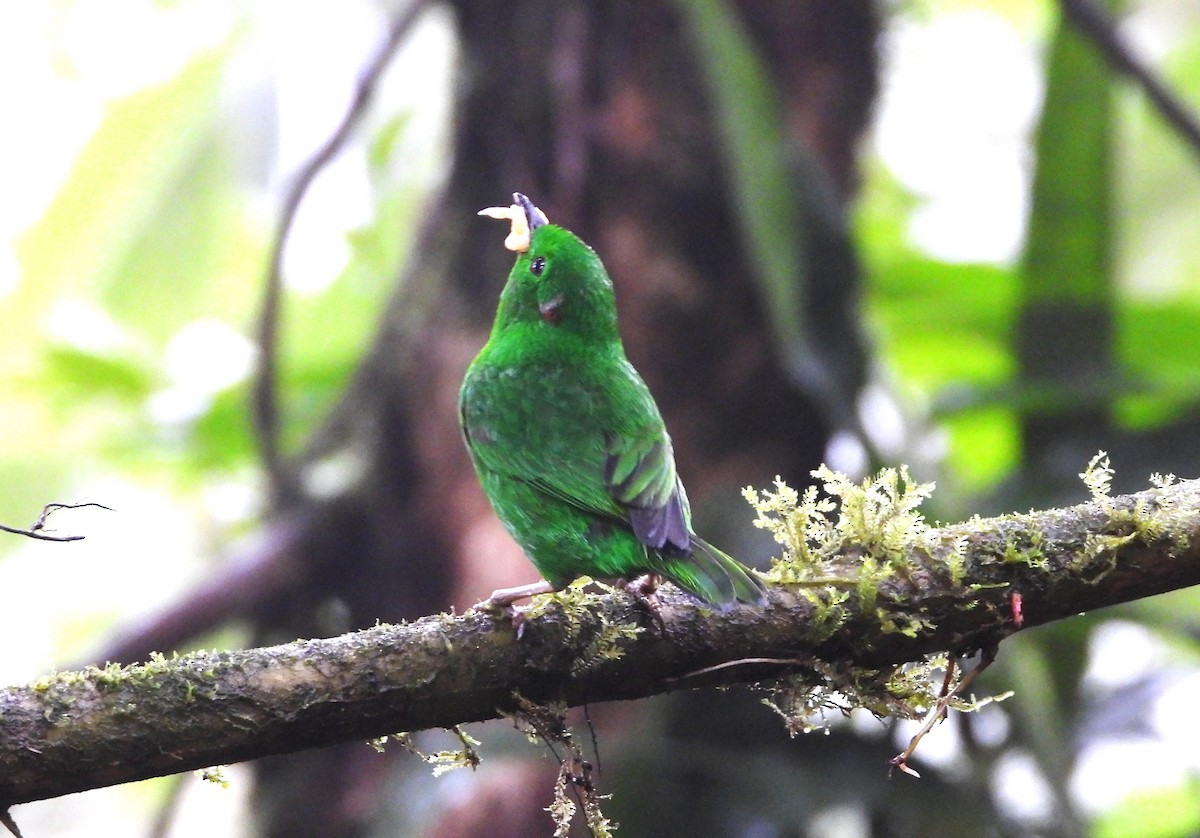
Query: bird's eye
x=537 y=265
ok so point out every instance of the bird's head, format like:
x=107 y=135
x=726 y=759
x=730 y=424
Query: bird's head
x=558 y=283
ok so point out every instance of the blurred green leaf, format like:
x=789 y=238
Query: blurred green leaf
x=77 y=375
x=939 y=324
x=222 y=437
x=119 y=182
x=346 y=315
x=944 y=323
x=945 y=329
x=383 y=142
x=1067 y=259
x=1158 y=347
x=750 y=123
x=985 y=446
x=1160 y=187
x=194 y=256
x=1160 y=813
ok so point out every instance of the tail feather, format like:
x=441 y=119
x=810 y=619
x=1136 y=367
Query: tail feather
x=712 y=575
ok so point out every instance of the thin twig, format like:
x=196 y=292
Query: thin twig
x=941 y=709
x=7 y=820
x=1095 y=22
x=169 y=808
x=36 y=530
x=587 y=717
x=265 y=395
x=740 y=662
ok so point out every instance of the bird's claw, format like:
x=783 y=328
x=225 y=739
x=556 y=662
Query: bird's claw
x=487 y=606
x=500 y=608
x=502 y=600
x=519 y=622
x=645 y=590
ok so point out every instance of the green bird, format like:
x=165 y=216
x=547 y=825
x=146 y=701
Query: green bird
x=566 y=439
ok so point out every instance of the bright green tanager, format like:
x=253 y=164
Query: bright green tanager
x=566 y=439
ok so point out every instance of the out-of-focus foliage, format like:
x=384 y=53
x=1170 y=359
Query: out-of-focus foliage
x=948 y=330
x=944 y=329
x=1162 y=813
x=1115 y=190
x=128 y=322
x=127 y=348
x=162 y=223
x=753 y=144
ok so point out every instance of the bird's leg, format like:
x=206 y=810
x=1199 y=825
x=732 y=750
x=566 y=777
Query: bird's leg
x=645 y=590
x=505 y=597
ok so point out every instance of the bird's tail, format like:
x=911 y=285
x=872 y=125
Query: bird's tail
x=712 y=575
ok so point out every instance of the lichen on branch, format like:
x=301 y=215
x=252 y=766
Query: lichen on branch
x=868 y=619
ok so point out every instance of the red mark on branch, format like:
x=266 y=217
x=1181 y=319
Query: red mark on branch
x=1015 y=601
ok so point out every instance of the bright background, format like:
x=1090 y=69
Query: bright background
x=146 y=150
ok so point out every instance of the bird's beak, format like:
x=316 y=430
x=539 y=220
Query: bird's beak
x=524 y=217
x=534 y=217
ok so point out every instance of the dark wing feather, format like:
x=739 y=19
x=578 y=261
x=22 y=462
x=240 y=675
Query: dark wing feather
x=640 y=474
x=660 y=527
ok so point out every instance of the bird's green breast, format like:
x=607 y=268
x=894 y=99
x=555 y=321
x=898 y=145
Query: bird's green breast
x=530 y=411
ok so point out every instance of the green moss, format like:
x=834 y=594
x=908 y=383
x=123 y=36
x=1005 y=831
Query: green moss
x=1030 y=554
x=574 y=603
x=1145 y=522
x=956 y=560
x=1098 y=478
x=805 y=699
x=174 y=680
x=878 y=519
x=112 y=677
x=868 y=583
x=829 y=611
x=440 y=761
x=876 y=530
x=214 y=775
x=897 y=622
x=578 y=611
x=546 y=724
x=876 y=523
x=606 y=646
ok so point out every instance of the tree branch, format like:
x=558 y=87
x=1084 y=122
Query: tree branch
x=266 y=408
x=1096 y=23
x=953 y=592
x=38 y=529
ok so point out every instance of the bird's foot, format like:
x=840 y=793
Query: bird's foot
x=645 y=590
x=503 y=599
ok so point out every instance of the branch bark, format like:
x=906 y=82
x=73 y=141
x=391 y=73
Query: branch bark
x=96 y=727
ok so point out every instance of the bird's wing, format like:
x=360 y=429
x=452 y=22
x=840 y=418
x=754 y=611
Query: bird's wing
x=615 y=462
x=639 y=472
x=630 y=475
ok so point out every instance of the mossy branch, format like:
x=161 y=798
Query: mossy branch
x=951 y=590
